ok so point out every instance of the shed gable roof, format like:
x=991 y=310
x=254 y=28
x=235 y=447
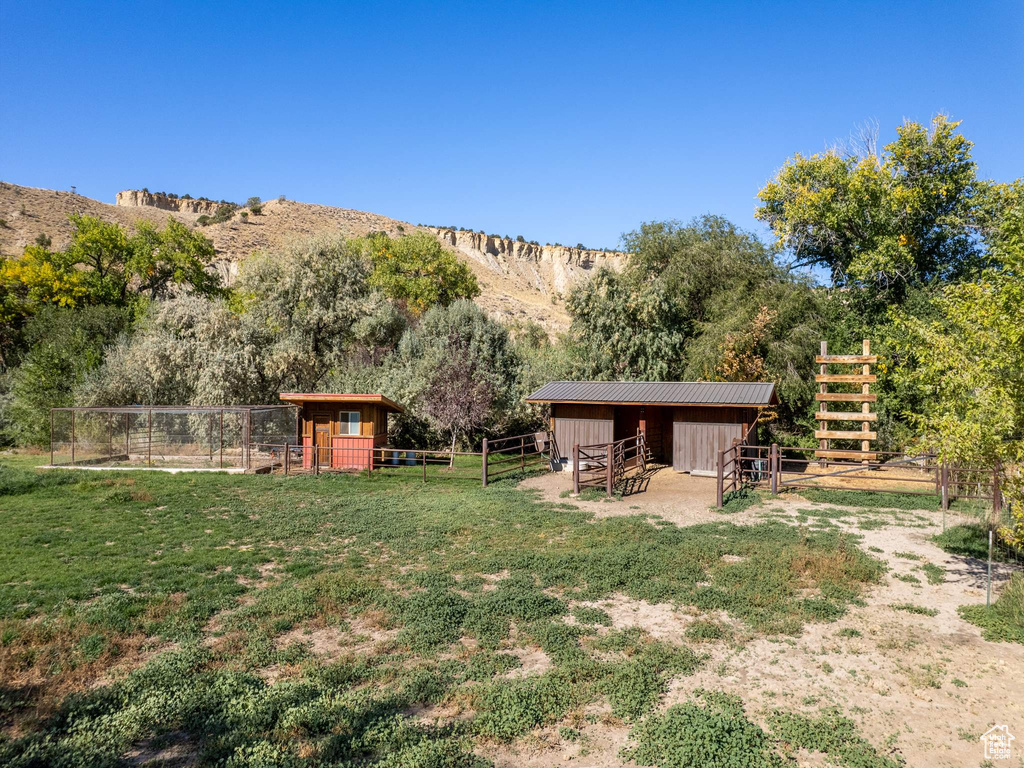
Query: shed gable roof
x=298 y=398
x=657 y=393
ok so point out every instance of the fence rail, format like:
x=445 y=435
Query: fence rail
x=759 y=466
x=606 y=464
x=495 y=459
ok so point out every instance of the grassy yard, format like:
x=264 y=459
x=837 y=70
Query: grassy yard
x=339 y=620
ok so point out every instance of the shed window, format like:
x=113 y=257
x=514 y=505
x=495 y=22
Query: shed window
x=348 y=423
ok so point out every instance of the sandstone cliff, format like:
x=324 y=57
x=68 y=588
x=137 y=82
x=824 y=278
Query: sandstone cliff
x=141 y=198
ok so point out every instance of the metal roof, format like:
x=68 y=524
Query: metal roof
x=657 y=392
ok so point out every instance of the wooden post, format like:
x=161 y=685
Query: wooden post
x=287 y=458
x=110 y=437
x=424 y=456
x=221 y=448
x=149 y=441
x=609 y=459
x=865 y=407
x=997 y=500
x=823 y=443
x=576 y=469
x=72 y=438
x=211 y=437
x=721 y=479
x=483 y=464
x=522 y=454
x=773 y=466
x=944 y=490
x=51 y=437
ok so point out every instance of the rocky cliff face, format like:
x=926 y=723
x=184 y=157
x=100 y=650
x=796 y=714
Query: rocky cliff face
x=141 y=198
x=551 y=269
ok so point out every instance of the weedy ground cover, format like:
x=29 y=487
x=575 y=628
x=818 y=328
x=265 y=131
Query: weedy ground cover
x=222 y=574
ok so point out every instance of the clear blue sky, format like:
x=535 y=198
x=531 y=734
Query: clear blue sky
x=559 y=121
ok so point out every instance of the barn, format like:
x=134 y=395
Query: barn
x=685 y=423
x=343 y=428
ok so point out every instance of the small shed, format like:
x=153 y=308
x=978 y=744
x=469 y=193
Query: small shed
x=685 y=423
x=343 y=428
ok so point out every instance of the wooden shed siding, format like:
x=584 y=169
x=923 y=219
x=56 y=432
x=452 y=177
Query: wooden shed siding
x=583 y=424
x=696 y=444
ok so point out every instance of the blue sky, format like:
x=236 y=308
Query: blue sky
x=563 y=122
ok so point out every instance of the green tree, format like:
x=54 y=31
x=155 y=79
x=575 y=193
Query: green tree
x=885 y=221
x=64 y=346
x=688 y=295
x=967 y=358
x=417 y=271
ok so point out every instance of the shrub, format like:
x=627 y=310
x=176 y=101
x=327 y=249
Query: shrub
x=715 y=732
x=1003 y=621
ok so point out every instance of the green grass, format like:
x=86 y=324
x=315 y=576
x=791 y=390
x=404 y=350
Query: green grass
x=934 y=573
x=919 y=610
x=1003 y=622
x=971 y=540
x=740 y=501
x=100 y=567
x=713 y=730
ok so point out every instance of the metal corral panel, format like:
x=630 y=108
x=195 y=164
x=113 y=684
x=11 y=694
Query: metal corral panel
x=657 y=392
x=695 y=445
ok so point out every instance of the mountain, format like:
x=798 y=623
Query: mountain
x=518 y=280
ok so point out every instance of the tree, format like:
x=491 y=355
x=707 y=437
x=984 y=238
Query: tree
x=305 y=303
x=883 y=221
x=459 y=395
x=64 y=346
x=417 y=271
x=968 y=358
x=104 y=264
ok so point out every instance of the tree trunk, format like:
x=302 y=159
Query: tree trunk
x=451 y=459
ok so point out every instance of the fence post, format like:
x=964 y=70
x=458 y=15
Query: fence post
x=608 y=471
x=997 y=500
x=576 y=469
x=72 y=438
x=721 y=480
x=988 y=589
x=221 y=448
x=287 y=458
x=149 y=438
x=483 y=463
x=424 y=457
x=369 y=463
x=51 y=437
x=522 y=453
x=773 y=467
x=945 y=492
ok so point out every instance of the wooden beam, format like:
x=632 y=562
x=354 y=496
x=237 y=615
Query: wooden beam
x=845 y=416
x=850 y=359
x=860 y=455
x=846 y=378
x=844 y=397
x=832 y=434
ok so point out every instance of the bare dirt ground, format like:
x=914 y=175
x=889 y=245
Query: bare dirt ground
x=927 y=686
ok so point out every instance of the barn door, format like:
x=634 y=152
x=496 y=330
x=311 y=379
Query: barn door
x=696 y=445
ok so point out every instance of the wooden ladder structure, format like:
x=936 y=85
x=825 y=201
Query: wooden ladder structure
x=865 y=416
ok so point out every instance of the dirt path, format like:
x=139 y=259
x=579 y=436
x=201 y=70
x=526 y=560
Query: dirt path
x=925 y=686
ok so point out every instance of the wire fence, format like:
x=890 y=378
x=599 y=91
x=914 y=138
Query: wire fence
x=162 y=437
